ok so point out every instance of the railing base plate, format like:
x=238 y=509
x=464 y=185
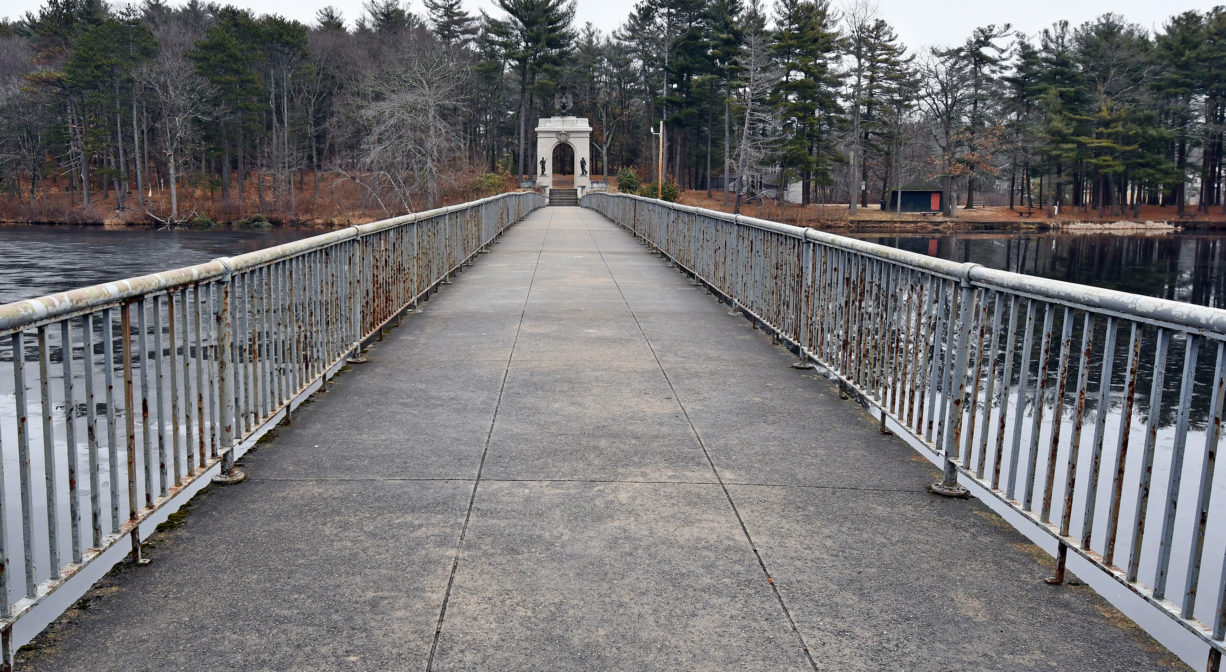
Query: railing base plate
x=235 y=476
x=955 y=491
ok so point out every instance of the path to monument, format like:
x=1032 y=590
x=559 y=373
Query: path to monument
x=573 y=459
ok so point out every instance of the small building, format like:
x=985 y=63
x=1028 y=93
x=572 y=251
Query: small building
x=915 y=200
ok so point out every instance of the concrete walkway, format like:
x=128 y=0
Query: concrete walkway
x=573 y=459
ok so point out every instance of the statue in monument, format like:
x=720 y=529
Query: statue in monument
x=563 y=102
x=583 y=167
x=542 y=166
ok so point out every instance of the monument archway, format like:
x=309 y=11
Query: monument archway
x=563 y=163
x=564 y=144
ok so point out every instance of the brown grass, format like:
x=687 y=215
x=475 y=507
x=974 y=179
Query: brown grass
x=836 y=216
x=341 y=202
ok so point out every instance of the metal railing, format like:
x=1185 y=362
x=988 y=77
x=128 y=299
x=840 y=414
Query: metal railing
x=138 y=391
x=1093 y=414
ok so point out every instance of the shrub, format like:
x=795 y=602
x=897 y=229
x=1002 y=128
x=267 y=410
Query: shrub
x=202 y=223
x=488 y=184
x=670 y=192
x=259 y=222
x=627 y=181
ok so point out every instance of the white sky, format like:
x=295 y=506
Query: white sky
x=919 y=23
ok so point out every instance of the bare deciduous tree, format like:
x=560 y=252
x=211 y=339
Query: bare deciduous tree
x=411 y=133
x=758 y=124
x=180 y=96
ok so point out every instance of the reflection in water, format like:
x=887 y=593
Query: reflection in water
x=1183 y=267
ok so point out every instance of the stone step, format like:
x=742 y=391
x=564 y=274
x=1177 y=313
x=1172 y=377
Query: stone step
x=564 y=197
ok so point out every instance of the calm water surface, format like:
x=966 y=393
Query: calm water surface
x=40 y=260
x=1184 y=267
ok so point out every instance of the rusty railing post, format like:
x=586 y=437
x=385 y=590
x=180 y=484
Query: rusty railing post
x=948 y=485
x=225 y=366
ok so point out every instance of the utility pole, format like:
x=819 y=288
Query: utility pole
x=660 y=163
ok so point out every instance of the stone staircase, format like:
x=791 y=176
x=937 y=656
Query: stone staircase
x=564 y=197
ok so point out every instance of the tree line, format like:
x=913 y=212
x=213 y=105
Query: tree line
x=127 y=108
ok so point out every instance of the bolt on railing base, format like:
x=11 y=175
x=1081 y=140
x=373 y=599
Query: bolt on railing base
x=802 y=365
x=954 y=491
x=230 y=477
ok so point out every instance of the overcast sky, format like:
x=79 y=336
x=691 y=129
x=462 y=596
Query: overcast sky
x=919 y=23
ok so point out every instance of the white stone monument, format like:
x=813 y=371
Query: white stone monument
x=573 y=131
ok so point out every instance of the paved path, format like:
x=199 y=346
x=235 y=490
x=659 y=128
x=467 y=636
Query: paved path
x=573 y=459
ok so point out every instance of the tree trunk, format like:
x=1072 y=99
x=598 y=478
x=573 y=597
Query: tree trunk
x=122 y=192
x=78 y=138
x=225 y=170
x=171 y=175
x=727 y=144
x=710 y=125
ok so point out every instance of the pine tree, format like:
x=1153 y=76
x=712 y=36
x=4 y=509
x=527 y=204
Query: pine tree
x=451 y=24
x=984 y=57
x=329 y=18
x=887 y=93
x=533 y=38
x=1177 y=52
x=805 y=49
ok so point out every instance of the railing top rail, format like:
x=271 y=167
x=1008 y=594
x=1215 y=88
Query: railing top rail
x=18 y=314
x=1165 y=312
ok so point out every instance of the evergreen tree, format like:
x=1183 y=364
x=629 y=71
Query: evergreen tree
x=1177 y=53
x=450 y=22
x=533 y=37
x=329 y=18
x=805 y=49
x=984 y=57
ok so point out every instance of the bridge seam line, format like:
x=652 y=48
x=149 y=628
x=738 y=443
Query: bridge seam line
x=472 y=497
x=615 y=481
x=770 y=581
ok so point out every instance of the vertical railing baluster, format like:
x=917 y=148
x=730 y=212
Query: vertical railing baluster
x=1019 y=412
x=23 y=460
x=176 y=444
x=91 y=431
x=989 y=393
x=49 y=470
x=1174 y=473
x=225 y=374
x=1120 y=459
x=163 y=463
x=129 y=397
x=199 y=296
x=955 y=392
x=112 y=432
x=1036 y=419
x=1208 y=461
x=1147 y=455
x=70 y=439
x=188 y=388
x=1102 y=408
x=1071 y=461
x=1057 y=415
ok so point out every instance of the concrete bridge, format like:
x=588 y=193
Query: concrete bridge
x=575 y=458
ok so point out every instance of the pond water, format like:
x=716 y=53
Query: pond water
x=1183 y=267
x=40 y=260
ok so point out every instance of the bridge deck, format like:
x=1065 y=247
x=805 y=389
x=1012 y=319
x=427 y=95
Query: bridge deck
x=574 y=459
